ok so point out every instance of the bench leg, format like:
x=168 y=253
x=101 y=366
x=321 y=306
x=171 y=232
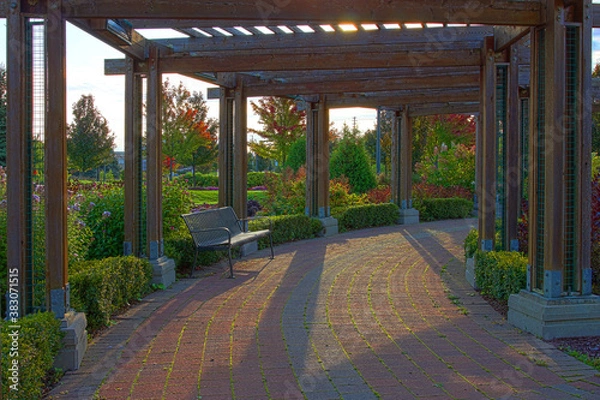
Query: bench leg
x=271 y=242
x=230 y=264
x=194 y=264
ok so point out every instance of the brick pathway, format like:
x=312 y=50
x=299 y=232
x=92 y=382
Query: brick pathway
x=379 y=313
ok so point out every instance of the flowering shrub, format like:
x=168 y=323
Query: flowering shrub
x=381 y=194
x=286 y=192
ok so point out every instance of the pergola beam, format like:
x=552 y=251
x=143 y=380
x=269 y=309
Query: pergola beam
x=341 y=41
x=492 y=12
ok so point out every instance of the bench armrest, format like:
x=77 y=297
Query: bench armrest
x=242 y=225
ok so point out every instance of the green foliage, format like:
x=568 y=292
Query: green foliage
x=3 y=95
x=90 y=142
x=286 y=193
x=340 y=197
x=39 y=340
x=100 y=288
x=369 y=215
x=297 y=154
x=255 y=179
x=454 y=166
x=176 y=200
x=350 y=159
x=287 y=228
x=440 y=209
x=282 y=123
x=500 y=273
x=471 y=243
x=199 y=180
x=104 y=215
x=180 y=248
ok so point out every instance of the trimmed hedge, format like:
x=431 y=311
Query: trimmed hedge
x=287 y=228
x=368 y=215
x=39 y=340
x=100 y=288
x=500 y=273
x=471 y=243
x=441 y=209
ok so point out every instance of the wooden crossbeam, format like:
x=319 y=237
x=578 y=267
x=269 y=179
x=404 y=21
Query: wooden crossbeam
x=399 y=97
x=493 y=12
x=425 y=38
x=321 y=85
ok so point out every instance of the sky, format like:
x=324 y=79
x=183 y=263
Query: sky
x=85 y=75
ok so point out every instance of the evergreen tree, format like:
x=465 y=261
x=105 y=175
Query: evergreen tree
x=3 y=94
x=350 y=159
x=282 y=123
x=386 y=142
x=90 y=142
x=297 y=154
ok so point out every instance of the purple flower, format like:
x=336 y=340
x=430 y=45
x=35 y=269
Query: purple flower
x=76 y=207
x=91 y=205
x=106 y=214
x=36 y=198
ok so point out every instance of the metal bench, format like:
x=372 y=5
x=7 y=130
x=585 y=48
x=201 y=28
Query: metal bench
x=220 y=229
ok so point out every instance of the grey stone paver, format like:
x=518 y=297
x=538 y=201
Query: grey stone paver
x=379 y=313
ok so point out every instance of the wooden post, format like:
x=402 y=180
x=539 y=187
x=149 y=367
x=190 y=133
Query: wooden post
x=585 y=146
x=487 y=199
x=317 y=166
x=133 y=160
x=154 y=158
x=16 y=162
x=558 y=302
x=240 y=149
x=323 y=159
x=226 y=148
x=513 y=155
x=56 y=163
x=396 y=173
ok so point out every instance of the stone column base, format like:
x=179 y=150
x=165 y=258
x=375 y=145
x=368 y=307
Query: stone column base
x=163 y=271
x=330 y=226
x=74 y=343
x=555 y=318
x=470 y=272
x=408 y=216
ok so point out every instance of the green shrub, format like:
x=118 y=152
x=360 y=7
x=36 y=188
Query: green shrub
x=180 y=248
x=350 y=159
x=441 y=209
x=39 y=341
x=176 y=200
x=369 y=215
x=500 y=273
x=255 y=179
x=202 y=180
x=287 y=228
x=471 y=243
x=100 y=288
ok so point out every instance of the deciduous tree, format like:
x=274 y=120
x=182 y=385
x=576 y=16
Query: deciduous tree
x=90 y=142
x=282 y=123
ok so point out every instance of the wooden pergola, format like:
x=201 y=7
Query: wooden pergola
x=522 y=67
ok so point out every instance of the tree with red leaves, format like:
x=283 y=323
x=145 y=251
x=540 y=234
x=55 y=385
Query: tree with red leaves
x=186 y=131
x=282 y=123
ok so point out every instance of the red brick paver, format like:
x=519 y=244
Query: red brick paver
x=379 y=313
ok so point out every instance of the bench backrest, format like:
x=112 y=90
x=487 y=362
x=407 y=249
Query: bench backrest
x=212 y=218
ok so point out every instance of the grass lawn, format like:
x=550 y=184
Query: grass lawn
x=212 y=196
